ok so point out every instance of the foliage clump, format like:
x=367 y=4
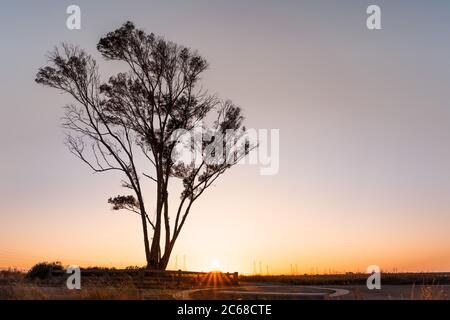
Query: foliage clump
x=44 y=270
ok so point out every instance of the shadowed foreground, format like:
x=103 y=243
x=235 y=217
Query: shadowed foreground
x=98 y=284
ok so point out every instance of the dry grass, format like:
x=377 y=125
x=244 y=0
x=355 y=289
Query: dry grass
x=32 y=291
x=103 y=285
x=431 y=293
x=354 y=279
x=107 y=285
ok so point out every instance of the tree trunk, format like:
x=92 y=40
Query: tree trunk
x=146 y=242
x=166 y=257
x=154 y=260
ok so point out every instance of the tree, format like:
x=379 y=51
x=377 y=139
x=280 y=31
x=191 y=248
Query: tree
x=132 y=123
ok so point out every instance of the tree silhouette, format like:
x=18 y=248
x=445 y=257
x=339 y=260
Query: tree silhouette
x=128 y=125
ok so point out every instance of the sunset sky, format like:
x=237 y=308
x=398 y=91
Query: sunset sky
x=364 y=120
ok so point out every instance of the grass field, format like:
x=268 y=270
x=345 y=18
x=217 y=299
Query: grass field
x=139 y=284
x=355 y=279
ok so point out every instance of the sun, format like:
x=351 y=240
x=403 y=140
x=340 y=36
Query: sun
x=215 y=265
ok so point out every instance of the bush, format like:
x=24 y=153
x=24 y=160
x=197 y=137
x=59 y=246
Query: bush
x=133 y=268
x=44 y=270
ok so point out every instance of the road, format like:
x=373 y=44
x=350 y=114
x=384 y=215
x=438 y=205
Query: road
x=264 y=291
x=267 y=291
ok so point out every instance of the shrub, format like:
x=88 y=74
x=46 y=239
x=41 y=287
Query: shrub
x=44 y=270
x=133 y=268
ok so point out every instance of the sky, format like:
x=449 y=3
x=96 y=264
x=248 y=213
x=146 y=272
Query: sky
x=364 y=120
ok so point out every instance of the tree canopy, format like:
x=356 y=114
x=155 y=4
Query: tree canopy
x=141 y=114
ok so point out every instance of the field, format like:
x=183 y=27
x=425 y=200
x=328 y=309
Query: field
x=355 y=279
x=99 y=283
x=404 y=286
x=138 y=284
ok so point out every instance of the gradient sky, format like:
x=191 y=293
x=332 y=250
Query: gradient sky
x=364 y=119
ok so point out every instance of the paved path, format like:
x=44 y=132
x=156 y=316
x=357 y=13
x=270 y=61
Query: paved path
x=264 y=292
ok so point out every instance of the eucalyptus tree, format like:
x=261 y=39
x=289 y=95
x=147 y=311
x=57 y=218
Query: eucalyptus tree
x=133 y=122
